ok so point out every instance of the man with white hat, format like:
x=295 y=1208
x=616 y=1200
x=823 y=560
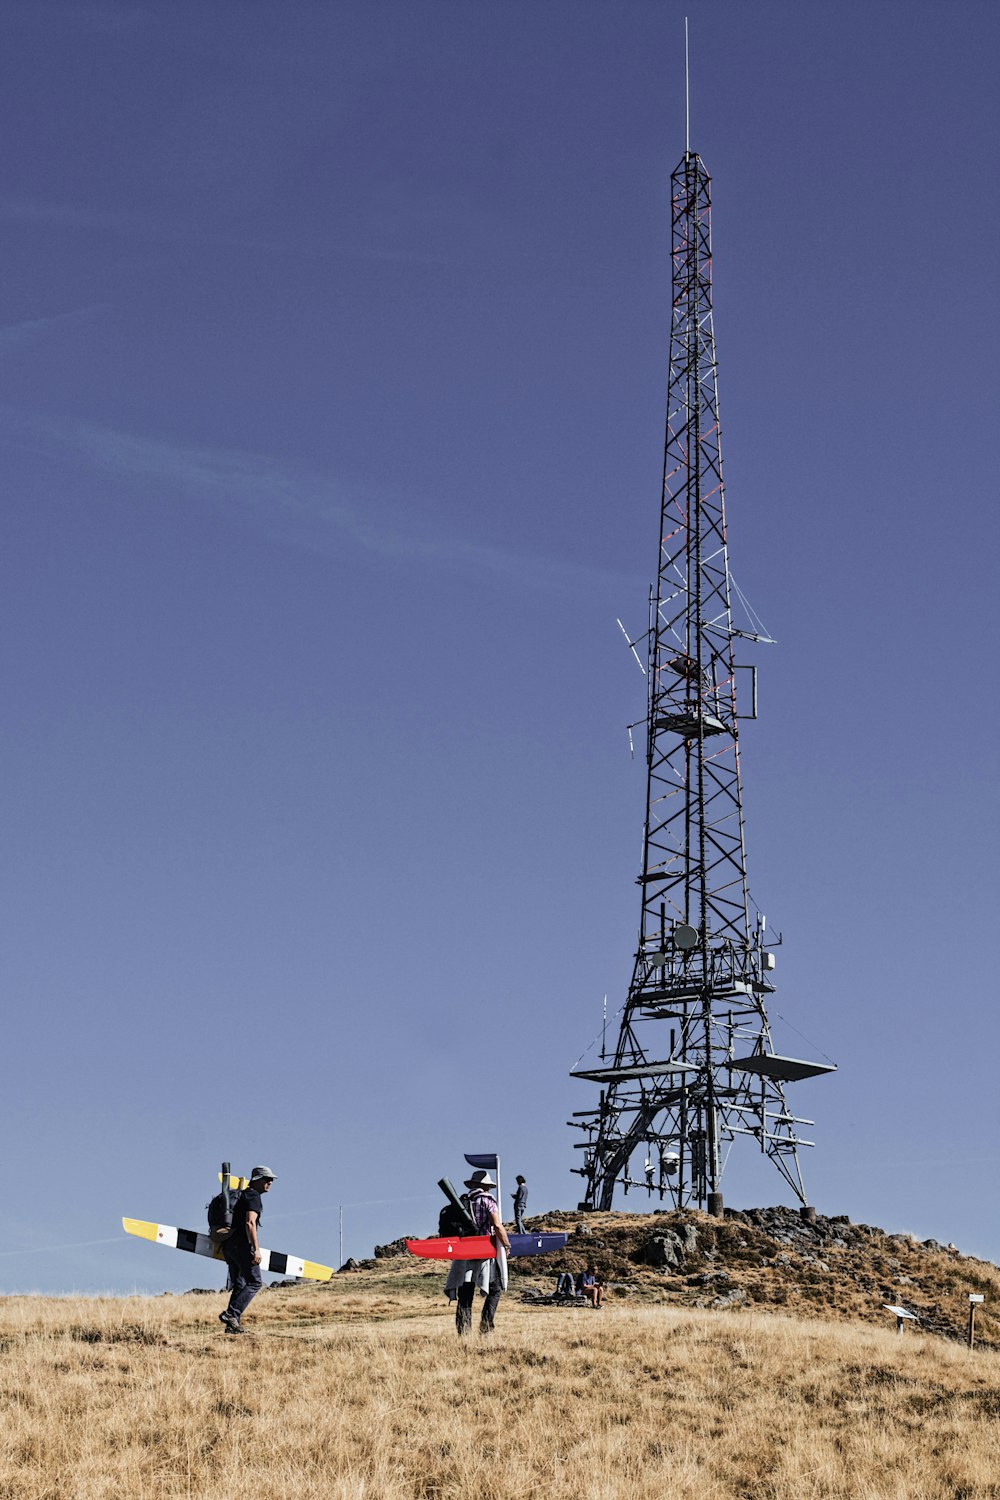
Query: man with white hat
x=242 y=1249
x=490 y=1276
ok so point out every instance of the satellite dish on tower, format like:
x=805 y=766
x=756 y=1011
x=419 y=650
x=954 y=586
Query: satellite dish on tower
x=685 y=937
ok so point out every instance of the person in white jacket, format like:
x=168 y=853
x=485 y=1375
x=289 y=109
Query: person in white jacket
x=488 y=1276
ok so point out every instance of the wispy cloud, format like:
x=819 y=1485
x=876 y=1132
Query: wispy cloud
x=313 y=512
x=390 y=227
x=28 y=330
x=39 y=211
x=143 y=224
x=103 y=16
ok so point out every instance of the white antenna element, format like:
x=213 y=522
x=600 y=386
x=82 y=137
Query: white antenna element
x=687 y=94
x=631 y=645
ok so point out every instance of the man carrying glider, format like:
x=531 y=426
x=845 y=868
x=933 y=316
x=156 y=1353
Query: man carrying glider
x=241 y=1249
x=489 y=1276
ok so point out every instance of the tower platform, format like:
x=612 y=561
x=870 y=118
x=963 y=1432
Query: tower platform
x=784 y=1069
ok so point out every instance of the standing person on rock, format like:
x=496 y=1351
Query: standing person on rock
x=520 y=1205
x=241 y=1249
x=489 y=1276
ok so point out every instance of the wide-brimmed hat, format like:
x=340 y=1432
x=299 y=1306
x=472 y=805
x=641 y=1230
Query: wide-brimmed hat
x=480 y=1180
x=259 y=1172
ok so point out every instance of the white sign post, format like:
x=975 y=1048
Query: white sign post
x=974 y=1299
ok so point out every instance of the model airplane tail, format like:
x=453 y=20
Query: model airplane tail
x=236 y=1184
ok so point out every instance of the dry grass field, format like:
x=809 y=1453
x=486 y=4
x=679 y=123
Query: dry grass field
x=363 y=1392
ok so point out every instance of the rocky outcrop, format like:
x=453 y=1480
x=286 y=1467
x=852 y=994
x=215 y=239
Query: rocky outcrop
x=671 y=1248
x=818 y=1265
x=394 y=1247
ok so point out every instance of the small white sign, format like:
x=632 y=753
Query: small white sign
x=976 y=1297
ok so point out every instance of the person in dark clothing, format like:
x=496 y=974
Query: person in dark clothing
x=241 y=1249
x=520 y=1205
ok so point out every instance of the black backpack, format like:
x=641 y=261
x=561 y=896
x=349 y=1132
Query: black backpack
x=220 y=1211
x=451 y=1223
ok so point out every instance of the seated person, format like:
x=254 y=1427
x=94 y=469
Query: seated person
x=588 y=1286
x=564 y=1285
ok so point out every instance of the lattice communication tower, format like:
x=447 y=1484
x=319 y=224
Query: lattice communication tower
x=693 y=1067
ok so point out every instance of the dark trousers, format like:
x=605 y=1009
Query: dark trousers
x=246 y=1283
x=466 y=1297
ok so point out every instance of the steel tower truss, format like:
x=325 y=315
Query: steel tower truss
x=693 y=1066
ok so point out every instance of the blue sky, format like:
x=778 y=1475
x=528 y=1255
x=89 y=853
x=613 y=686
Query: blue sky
x=333 y=367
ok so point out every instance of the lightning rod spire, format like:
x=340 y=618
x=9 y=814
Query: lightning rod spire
x=687 y=93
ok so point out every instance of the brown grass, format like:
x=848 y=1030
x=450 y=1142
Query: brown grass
x=363 y=1392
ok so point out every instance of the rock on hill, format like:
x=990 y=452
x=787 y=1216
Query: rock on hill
x=773 y=1258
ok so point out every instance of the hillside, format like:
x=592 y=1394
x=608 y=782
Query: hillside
x=361 y=1391
x=769 y=1258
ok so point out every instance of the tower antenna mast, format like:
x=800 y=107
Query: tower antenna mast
x=687 y=93
x=693 y=1069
